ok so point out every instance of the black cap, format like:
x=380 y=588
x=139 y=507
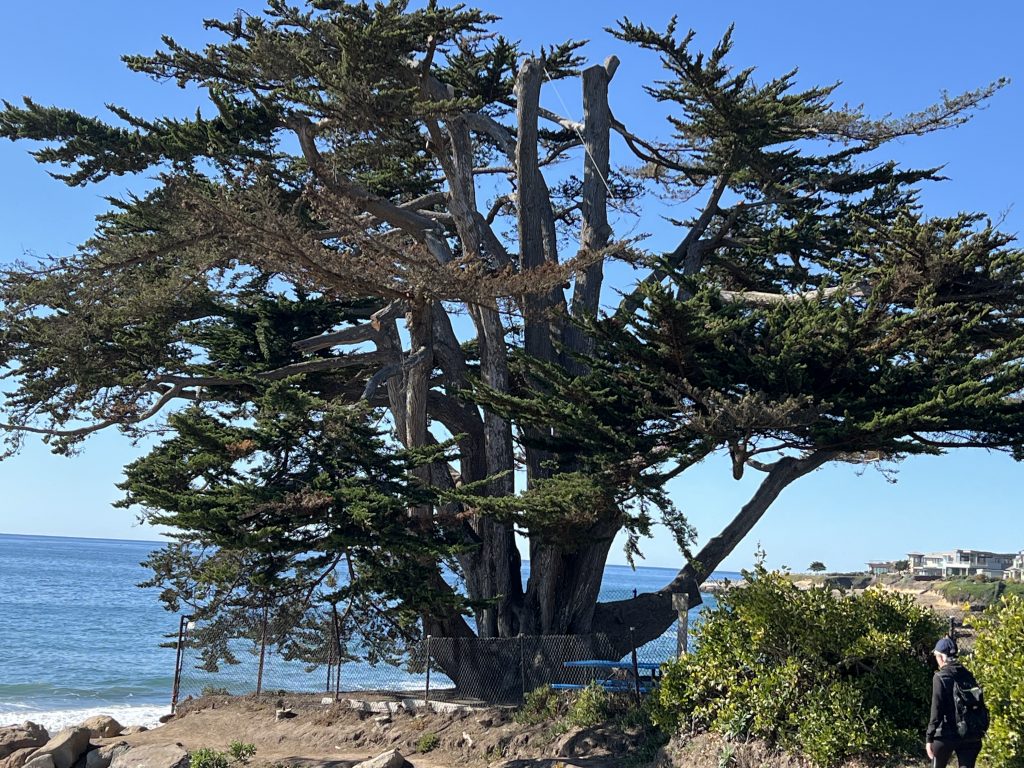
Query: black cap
x=946 y=647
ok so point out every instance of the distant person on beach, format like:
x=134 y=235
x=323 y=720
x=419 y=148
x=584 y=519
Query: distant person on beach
x=959 y=717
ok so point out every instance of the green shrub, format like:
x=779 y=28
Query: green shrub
x=825 y=675
x=589 y=707
x=427 y=742
x=970 y=590
x=238 y=752
x=214 y=690
x=998 y=662
x=208 y=758
x=980 y=590
x=241 y=752
x=540 y=705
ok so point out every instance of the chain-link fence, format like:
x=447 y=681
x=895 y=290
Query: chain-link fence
x=248 y=659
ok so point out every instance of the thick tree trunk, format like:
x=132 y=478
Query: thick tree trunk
x=595 y=232
x=565 y=580
x=492 y=570
x=532 y=211
x=492 y=567
x=417 y=384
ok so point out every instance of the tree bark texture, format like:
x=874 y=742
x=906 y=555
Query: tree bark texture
x=595 y=232
x=651 y=614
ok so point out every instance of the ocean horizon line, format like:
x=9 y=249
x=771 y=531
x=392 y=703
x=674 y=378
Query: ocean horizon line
x=525 y=561
x=80 y=538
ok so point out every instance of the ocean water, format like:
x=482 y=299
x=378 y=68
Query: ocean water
x=78 y=637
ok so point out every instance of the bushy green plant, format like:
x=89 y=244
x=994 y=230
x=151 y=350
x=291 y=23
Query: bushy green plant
x=589 y=707
x=427 y=742
x=540 y=705
x=208 y=758
x=826 y=675
x=241 y=752
x=238 y=753
x=998 y=663
x=971 y=590
x=979 y=590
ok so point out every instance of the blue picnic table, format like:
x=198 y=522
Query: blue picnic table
x=606 y=675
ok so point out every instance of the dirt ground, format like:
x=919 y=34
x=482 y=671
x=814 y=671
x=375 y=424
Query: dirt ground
x=338 y=735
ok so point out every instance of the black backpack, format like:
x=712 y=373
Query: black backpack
x=970 y=710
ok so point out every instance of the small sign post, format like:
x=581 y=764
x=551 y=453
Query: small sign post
x=681 y=602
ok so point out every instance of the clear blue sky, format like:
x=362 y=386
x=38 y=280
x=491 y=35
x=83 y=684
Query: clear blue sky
x=893 y=58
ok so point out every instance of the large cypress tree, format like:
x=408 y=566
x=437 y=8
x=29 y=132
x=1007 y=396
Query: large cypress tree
x=401 y=158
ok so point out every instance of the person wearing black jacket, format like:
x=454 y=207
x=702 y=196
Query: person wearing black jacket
x=941 y=738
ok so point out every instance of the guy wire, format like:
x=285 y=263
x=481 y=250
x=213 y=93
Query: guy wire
x=576 y=130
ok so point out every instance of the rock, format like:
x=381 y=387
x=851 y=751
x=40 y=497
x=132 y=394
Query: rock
x=101 y=758
x=284 y=714
x=65 y=748
x=327 y=700
x=390 y=759
x=128 y=731
x=519 y=741
x=102 y=727
x=80 y=762
x=485 y=721
x=382 y=719
x=166 y=718
x=17 y=758
x=16 y=737
x=42 y=761
x=569 y=742
x=151 y=756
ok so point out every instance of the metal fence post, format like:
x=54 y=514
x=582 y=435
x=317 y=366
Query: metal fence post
x=179 y=657
x=522 y=666
x=263 y=652
x=426 y=693
x=681 y=602
x=336 y=650
x=636 y=667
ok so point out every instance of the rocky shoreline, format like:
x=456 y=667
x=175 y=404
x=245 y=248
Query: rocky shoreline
x=99 y=742
x=313 y=731
x=91 y=744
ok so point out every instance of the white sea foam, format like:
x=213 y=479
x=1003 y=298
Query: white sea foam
x=55 y=720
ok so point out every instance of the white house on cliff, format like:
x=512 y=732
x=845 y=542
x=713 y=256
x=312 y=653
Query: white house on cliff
x=967 y=562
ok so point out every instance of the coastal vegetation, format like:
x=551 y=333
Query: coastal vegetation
x=427 y=742
x=980 y=592
x=238 y=754
x=997 y=660
x=824 y=675
x=364 y=289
